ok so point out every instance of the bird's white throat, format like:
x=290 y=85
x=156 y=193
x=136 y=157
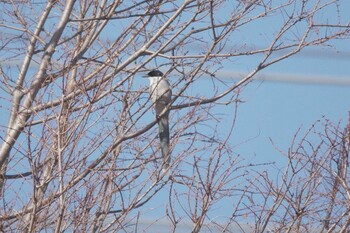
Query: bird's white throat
x=154 y=80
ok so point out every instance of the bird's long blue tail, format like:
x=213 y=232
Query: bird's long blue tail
x=163 y=125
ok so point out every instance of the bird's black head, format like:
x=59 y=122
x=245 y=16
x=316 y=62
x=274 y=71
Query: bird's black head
x=155 y=73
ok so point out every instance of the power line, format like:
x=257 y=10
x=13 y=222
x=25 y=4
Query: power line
x=289 y=78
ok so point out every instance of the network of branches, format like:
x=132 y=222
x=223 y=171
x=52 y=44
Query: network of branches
x=79 y=149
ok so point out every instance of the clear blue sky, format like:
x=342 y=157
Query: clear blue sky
x=277 y=110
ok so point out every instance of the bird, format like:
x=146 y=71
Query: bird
x=160 y=94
